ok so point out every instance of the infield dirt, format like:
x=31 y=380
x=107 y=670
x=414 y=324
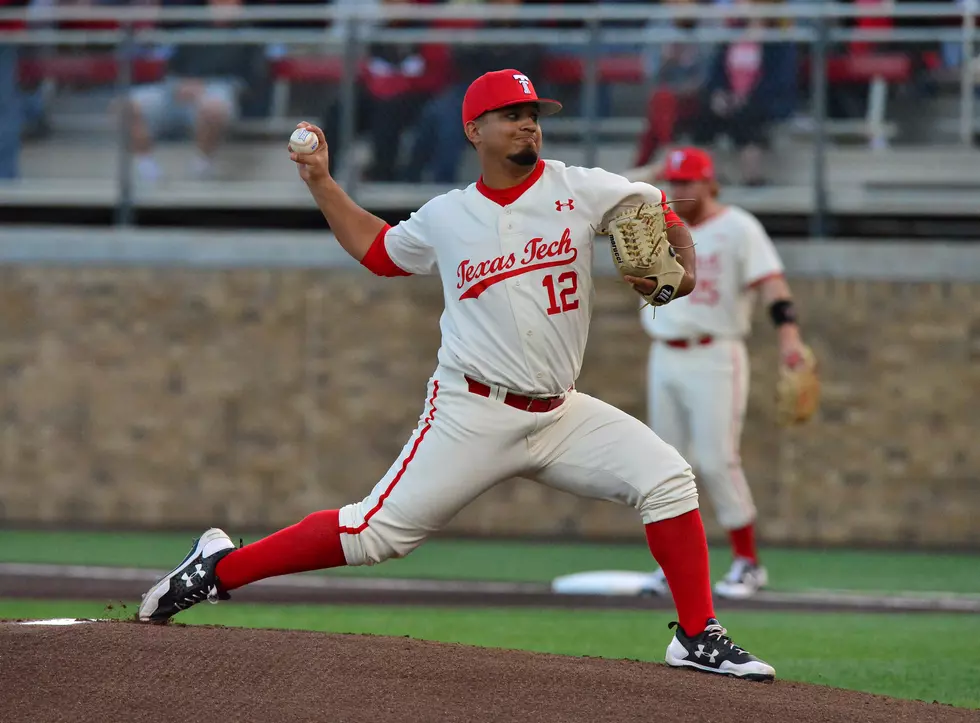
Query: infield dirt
x=125 y=671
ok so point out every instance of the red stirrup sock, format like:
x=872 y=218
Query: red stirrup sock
x=311 y=544
x=743 y=543
x=680 y=547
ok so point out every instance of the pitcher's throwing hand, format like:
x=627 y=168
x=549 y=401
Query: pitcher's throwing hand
x=313 y=167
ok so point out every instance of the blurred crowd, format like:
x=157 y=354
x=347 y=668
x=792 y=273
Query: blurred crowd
x=409 y=94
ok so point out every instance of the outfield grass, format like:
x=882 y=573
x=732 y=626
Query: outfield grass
x=531 y=562
x=908 y=656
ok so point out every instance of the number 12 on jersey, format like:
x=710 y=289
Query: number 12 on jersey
x=561 y=292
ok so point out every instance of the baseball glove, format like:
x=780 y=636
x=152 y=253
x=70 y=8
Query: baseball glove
x=638 y=240
x=797 y=390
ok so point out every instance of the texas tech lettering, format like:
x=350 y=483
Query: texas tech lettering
x=538 y=254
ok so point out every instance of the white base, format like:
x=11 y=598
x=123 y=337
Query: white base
x=59 y=621
x=602 y=582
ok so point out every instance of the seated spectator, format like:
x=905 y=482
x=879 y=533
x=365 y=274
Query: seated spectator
x=750 y=85
x=399 y=78
x=438 y=134
x=10 y=100
x=396 y=79
x=850 y=100
x=201 y=93
x=677 y=71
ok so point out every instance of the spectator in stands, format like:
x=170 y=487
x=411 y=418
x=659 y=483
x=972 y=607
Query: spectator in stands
x=850 y=100
x=677 y=71
x=750 y=86
x=202 y=91
x=438 y=140
x=397 y=80
x=10 y=101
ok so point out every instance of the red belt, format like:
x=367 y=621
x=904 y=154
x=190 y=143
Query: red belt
x=519 y=401
x=685 y=343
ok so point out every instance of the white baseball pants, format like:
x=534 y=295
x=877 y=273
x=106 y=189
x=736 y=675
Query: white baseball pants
x=696 y=400
x=464 y=444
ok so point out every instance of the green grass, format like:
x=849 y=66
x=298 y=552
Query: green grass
x=906 y=656
x=530 y=562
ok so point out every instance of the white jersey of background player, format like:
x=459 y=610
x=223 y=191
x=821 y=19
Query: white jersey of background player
x=698 y=373
x=514 y=253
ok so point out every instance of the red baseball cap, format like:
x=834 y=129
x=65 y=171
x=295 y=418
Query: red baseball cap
x=688 y=164
x=499 y=89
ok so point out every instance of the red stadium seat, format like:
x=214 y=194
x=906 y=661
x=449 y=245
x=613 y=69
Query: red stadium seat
x=564 y=70
x=890 y=67
x=96 y=69
x=877 y=71
x=570 y=69
x=311 y=69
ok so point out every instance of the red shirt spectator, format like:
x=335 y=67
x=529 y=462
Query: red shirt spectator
x=869 y=23
x=396 y=69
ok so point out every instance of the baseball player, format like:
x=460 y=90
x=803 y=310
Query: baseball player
x=698 y=372
x=514 y=253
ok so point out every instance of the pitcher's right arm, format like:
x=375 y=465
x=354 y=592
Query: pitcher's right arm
x=355 y=228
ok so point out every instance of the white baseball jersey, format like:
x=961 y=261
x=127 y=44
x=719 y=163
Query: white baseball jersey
x=516 y=270
x=734 y=253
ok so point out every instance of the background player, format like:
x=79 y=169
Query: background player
x=514 y=252
x=698 y=373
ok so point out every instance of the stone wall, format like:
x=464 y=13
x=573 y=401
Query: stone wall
x=168 y=396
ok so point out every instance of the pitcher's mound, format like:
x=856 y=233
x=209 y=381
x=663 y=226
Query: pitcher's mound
x=120 y=671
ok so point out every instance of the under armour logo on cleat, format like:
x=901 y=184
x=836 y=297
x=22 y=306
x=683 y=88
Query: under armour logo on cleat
x=710 y=656
x=199 y=571
x=560 y=206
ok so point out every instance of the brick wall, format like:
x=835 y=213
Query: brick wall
x=188 y=396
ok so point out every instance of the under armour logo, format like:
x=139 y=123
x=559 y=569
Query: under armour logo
x=187 y=578
x=710 y=656
x=570 y=205
x=524 y=81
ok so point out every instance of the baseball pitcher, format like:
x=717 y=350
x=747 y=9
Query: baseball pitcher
x=698 y=373
x=514 y=253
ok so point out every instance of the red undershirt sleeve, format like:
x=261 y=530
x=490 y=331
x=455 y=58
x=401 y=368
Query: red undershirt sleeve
x=671 y=218
x=377 y=260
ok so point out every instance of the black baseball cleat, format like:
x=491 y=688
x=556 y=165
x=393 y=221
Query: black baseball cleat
x=714 y=652
x=191 y=582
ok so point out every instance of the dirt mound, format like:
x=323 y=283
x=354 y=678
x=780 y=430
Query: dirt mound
x=115 y=671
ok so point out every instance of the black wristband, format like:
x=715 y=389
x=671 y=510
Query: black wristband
x=782 y=312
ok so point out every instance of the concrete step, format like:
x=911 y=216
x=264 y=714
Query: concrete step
x=78 y=167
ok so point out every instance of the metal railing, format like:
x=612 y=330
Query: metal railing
x=813 y=24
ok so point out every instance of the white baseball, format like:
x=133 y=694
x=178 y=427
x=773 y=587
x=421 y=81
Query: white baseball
x=303 y=141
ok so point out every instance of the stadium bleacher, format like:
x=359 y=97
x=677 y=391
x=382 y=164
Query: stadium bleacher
x=894 y=159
